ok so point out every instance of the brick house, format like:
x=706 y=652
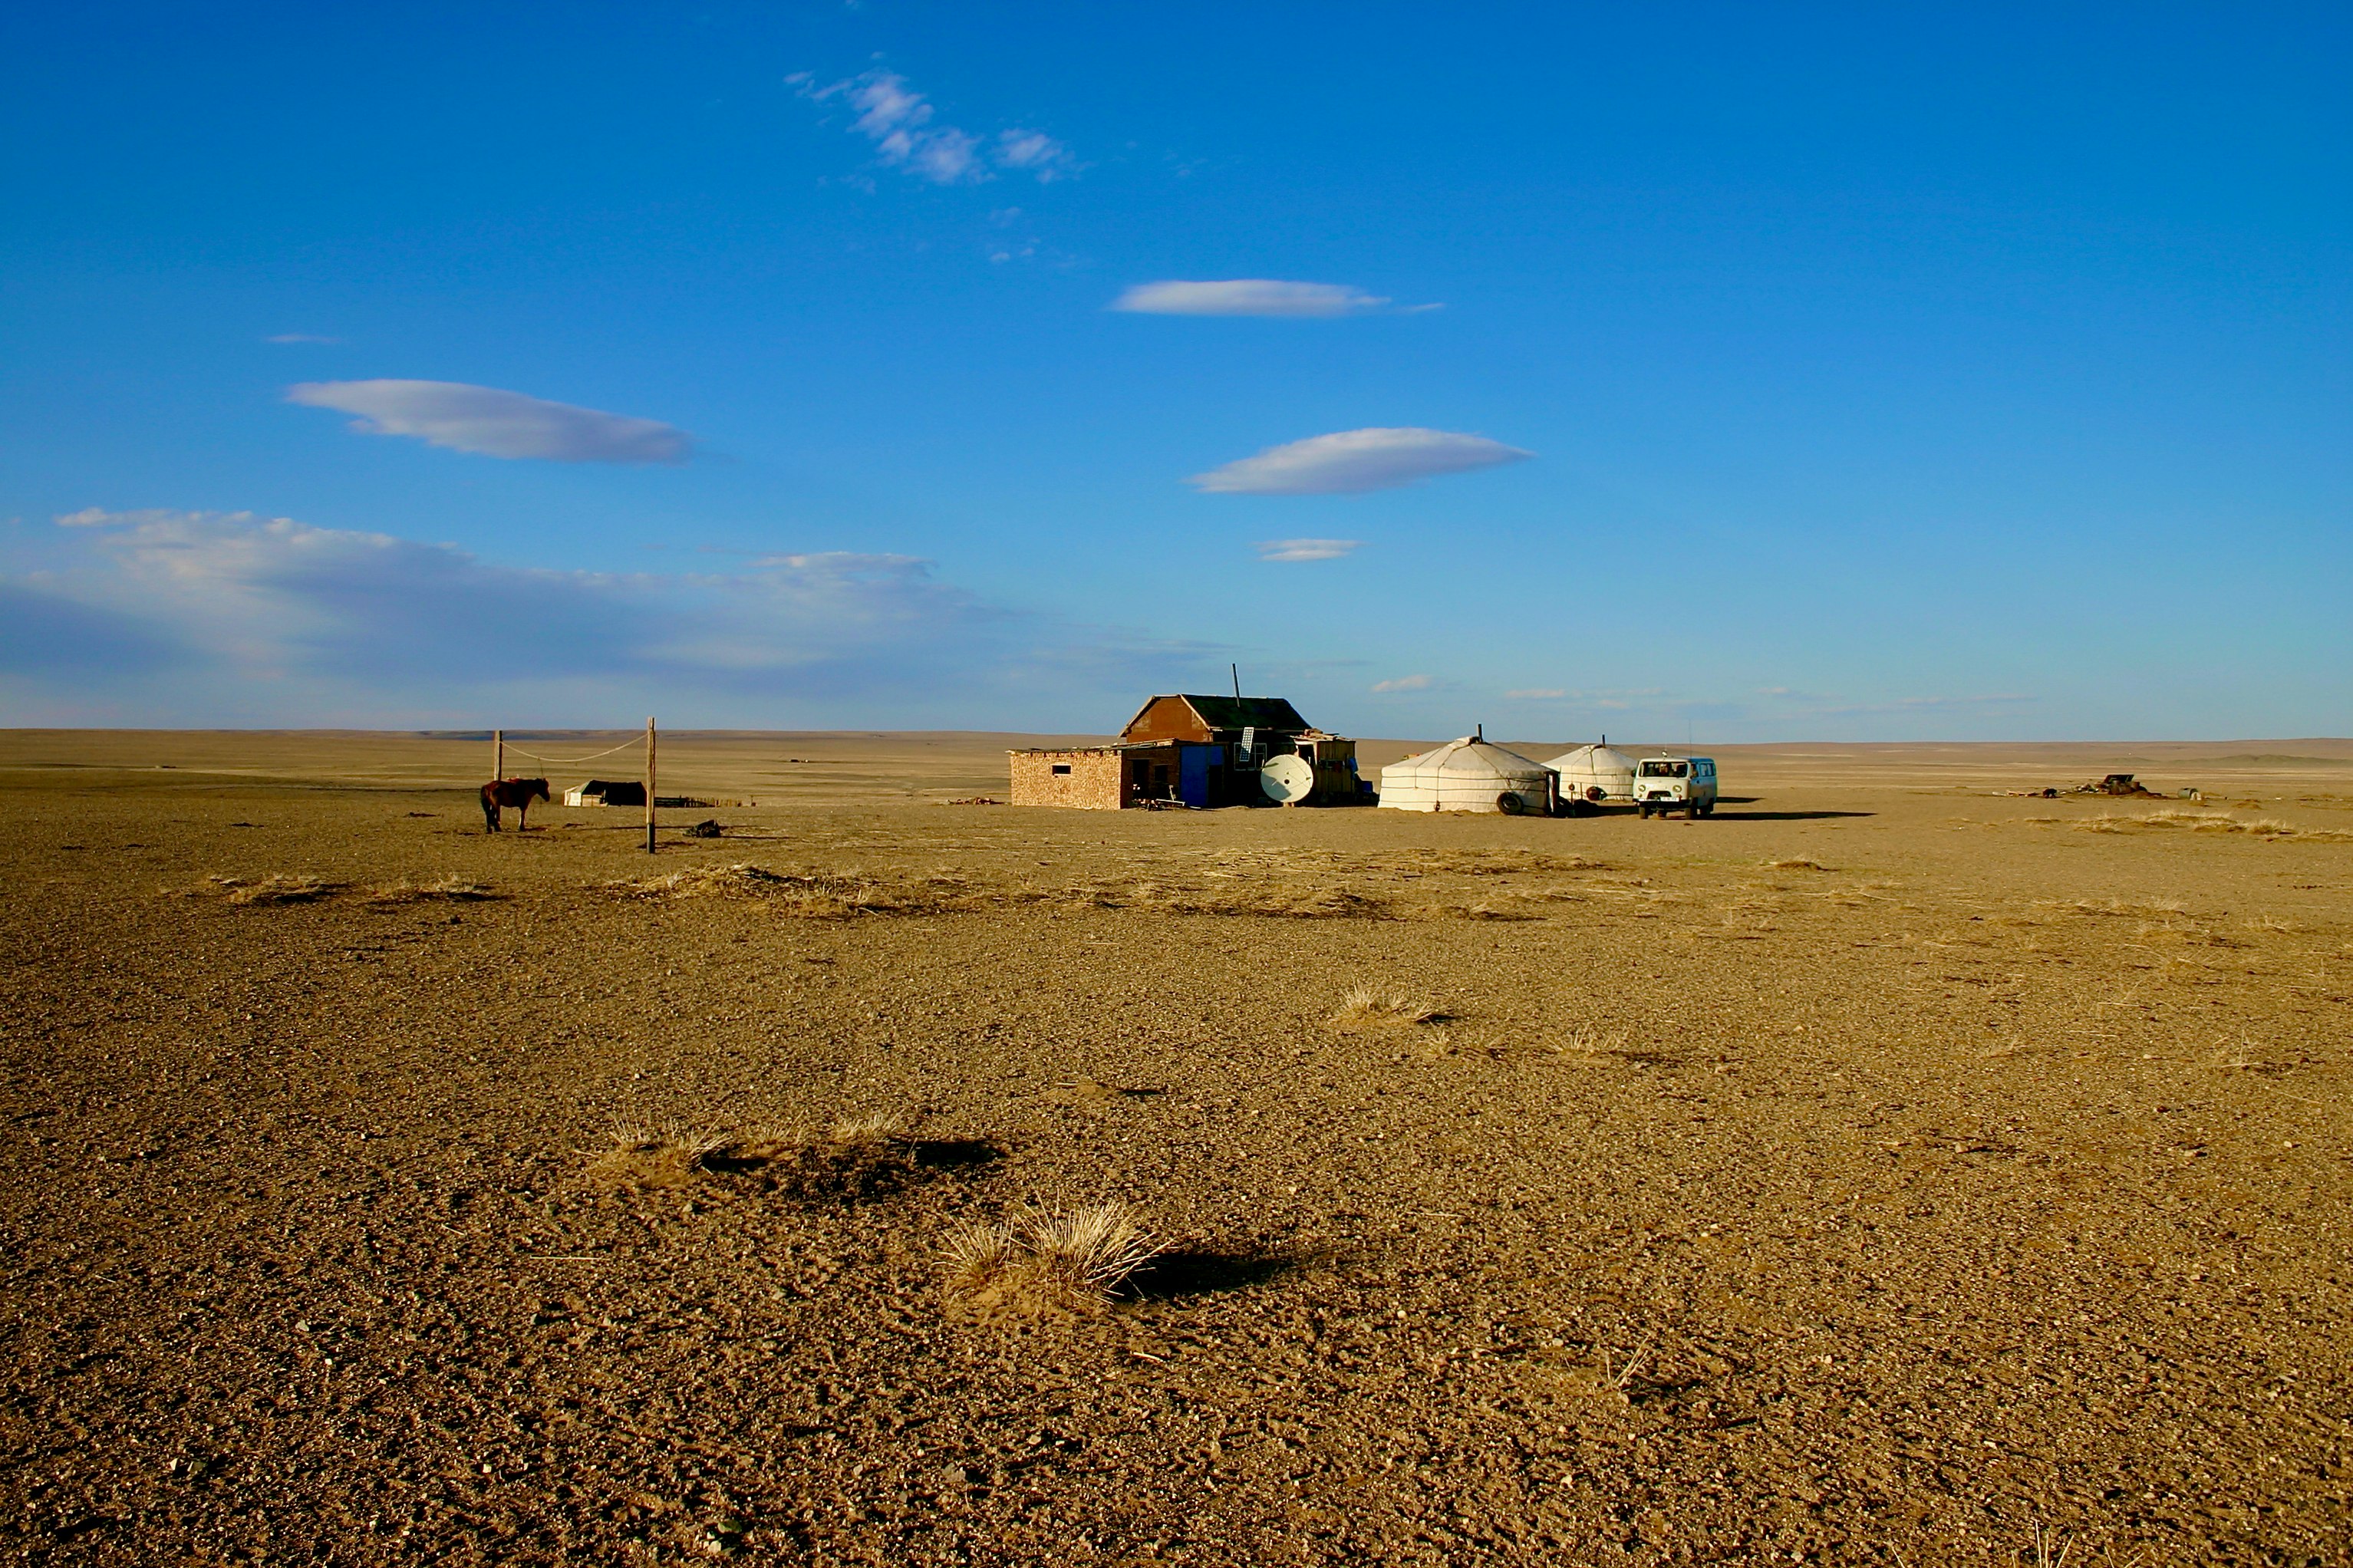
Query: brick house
x=1193 y=750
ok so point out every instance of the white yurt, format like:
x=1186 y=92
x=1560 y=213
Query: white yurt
x=1595 y=773
x=1469 y=774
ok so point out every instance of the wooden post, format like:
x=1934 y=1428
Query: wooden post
x=498 y=754
x=650 y=783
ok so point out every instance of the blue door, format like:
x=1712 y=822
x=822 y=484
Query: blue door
x=1193 y=774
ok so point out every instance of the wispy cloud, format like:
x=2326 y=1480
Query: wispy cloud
x=1356 y=460
x=278 y=591
x=197 y=615
x=907 y=133
x=1250 y=297
x=299 y=338
x=496 y=424
x=99 y=517
x=1404 y=683
x=1033 y=152
x=1307 y=549
x=1537 y=694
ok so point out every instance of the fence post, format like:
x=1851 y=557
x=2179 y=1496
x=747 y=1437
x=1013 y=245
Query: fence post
x=498 y=754
x=650 y=783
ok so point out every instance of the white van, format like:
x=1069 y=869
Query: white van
x=1663 y=784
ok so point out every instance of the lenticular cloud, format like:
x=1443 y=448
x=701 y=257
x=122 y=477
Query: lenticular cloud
x=496 y=424
x=1246 y=297
x=1355 y=460
x=1307 y=549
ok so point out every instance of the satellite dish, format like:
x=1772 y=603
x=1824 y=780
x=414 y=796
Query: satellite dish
x=1287 y=779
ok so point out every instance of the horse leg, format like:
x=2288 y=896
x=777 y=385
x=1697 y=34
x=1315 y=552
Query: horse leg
x=523 y=816
x=490 y=814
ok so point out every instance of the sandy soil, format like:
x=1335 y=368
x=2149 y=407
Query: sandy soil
x=1887 y=1169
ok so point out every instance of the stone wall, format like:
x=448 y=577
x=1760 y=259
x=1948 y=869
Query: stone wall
x=1091 y=784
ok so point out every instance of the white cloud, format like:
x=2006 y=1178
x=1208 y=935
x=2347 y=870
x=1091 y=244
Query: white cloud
x=276 y=591
x=1537 y=694
x=299 y=338
x=945 y=157
x=209 y=617
x=496 y=424
x=1034 y=152
x=1247 y=297
x=1404 y=683
x=1305 y=549
x=908 y=134
x=99 y=517
x=1356 y=461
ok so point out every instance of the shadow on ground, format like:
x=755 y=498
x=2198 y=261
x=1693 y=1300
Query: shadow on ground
x=1785 y=815
x=1208 y=1271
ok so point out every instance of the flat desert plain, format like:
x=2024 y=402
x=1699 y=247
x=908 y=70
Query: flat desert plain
x=1890 y=1169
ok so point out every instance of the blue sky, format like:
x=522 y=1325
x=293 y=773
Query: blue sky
x=1746 y=372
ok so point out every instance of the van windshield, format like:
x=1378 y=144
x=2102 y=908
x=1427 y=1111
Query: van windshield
x=1666 y=769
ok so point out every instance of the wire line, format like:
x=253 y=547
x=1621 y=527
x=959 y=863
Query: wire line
x=566 y=762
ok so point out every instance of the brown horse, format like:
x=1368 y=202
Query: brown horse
x=516 y=793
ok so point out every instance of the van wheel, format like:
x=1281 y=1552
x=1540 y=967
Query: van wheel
x=1645 y=811
x=1691 y=812
x=1708 y=810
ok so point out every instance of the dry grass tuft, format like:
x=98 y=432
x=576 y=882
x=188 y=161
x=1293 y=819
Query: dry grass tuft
x=860 y=1132
x=1276 y=902
x=1586 y=1047
x=1047 y=1262
x=1484 y=910
x=2270 y=828
x=815 y=895
x=2167 y=911
x=857 y=1157
x=1795 y=866
x=645 y=1156
x=865 y=1157
x=447 y=889
x=277 y=888
x=1365 y=1009
x=2243 y=1059
x=281 y=888
x=979 y=1254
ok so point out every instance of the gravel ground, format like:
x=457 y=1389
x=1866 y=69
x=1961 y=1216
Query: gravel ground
x=1894 y=1173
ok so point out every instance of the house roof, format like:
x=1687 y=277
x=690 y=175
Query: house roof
x=1272 y=713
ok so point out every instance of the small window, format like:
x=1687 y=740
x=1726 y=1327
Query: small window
x=1061 y=767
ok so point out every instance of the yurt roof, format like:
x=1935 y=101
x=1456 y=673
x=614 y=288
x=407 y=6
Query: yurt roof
x=1593 y=758
x=1470 y=754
